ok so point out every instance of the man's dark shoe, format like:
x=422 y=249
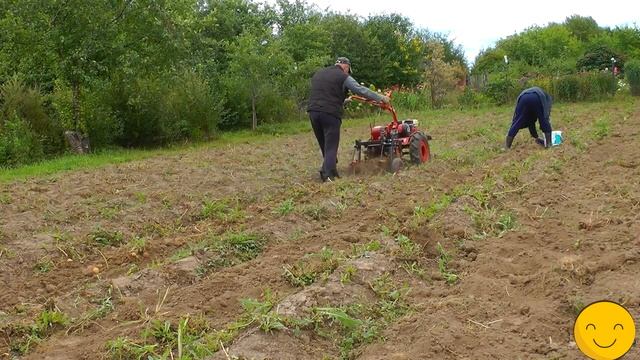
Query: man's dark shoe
x=330 y=178
x=547 y=140
x=508 y=141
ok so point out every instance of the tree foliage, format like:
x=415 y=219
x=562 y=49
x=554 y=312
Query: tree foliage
x=439 y=76
x=151 y=72
x=577 y=44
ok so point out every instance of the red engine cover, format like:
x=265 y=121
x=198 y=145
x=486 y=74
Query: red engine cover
x=376 y=132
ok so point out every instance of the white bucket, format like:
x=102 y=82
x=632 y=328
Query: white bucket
x=556 y=138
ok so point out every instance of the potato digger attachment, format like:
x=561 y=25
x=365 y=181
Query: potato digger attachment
x=388 y=144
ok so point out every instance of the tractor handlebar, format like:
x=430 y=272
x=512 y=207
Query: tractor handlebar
x=380 y=104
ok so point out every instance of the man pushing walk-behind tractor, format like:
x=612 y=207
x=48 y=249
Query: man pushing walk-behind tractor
x=329 y=89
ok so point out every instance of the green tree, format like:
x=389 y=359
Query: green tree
x=393 y=58
x=583 y=28
x=349 y=39
x=306 y=43
x=257 y=66
x=439 y=75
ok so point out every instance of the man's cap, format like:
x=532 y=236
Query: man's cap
x=344 y=60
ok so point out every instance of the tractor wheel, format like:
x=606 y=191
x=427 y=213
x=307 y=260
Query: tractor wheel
x=419 y=148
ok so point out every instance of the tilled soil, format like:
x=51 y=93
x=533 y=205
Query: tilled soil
x=477 y=254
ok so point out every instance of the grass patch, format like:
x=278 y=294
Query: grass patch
x=44 y=266
x=138 y=245
x=67 y=246
x=316 y=212
x=576 y=305
x=141 y=197
x=5 y=199
x=227 y=250
x=443 y=265
x=25 y=338
x=409 y=250
x=601 y=129
x=104 y=307
x=347 y=275
x=285 y=208
x=106 y=238
x=220 y=210
x=354 y=325
x=506 y=222
x=359 y=250
x=192 y=337
x=426 y=213
x=311 y=267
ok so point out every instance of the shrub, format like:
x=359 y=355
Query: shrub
x=23 y=114
x=190 y=110
x=137 y=105
x=164 y=108
x=471 y=99
x=18 y=143
x=97 y=119
x=102 y=125
x=272 y=107
x=411 y=100
x=502 y=91
x=632 y=73
x=567 y=88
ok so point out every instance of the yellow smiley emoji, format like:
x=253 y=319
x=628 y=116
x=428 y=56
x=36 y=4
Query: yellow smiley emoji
x=604 y=330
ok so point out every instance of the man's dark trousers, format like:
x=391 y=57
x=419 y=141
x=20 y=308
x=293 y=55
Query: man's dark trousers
x=326 y=128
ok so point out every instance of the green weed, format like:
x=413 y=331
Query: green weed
x=359 y=250
x=316 y=212
x=109 y=213
x=228 y=250
x=428 y=212
x=311 y=267
x=601 y=129
x=5 y=199
x=44 y=265
x=506 y=222
x=576 y=304
x=105 y=307
x=285 y=208
x=409 y=250
x=46 y=322
x=66 y=245
x=192 y=337
x=296 y=235
x=347 y=274
x=123 y=348
x=140 y=197
x=357 y=324
x=443 y=262
x=414 y=268
x=138 y=245
x=220 y=210
x=106 y=238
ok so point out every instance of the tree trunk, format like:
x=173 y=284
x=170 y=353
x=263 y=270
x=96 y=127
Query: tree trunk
x=75 y=104
x=254 y=122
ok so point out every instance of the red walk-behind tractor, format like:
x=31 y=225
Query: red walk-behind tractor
x=389 y=143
